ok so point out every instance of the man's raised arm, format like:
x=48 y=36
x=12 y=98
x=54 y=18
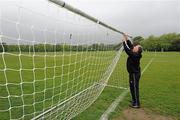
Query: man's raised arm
x=127 y=47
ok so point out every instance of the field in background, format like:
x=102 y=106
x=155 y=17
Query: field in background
x=159 y=87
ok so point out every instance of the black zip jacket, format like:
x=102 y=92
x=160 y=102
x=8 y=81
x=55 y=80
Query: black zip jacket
x=133 y=60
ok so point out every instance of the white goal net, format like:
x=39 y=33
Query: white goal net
x=53 y=62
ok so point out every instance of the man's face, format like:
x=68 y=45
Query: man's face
x=136 y=49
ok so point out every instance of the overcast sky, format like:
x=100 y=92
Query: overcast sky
x=137 y=17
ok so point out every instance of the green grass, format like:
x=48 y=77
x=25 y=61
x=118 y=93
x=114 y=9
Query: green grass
x=159 y=85
x=95 y=111
x=42 y=81
x=159 y=88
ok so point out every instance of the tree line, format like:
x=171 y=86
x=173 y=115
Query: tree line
x=165 y=42
x=56 y=48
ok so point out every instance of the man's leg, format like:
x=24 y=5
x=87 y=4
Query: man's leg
x=131 y=85
x=134 y=88
x=136 y=77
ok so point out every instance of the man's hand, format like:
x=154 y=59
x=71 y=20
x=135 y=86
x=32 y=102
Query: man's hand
x=125 y=37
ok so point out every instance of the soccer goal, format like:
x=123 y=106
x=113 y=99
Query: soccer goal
x=55 y=60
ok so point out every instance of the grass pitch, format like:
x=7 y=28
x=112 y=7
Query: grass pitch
x=159 y=88
x=32 y=83
x=159 y=85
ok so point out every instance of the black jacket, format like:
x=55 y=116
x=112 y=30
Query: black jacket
x=133 y=61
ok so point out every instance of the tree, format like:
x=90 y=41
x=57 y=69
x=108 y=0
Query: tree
x=137 y=39
x=167 y=42
x=175 y=45
x=3 y=47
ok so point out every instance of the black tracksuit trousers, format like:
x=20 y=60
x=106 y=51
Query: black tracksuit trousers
x=134 y=87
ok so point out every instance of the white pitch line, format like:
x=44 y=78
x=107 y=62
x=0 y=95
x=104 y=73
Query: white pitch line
x=113 y=106
x=149 y=63
x=120 y=98
x=114 y=86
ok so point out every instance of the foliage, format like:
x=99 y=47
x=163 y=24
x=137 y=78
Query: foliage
x=165 y=42
x=138 y=39
x=3 y=47
x=56 y=48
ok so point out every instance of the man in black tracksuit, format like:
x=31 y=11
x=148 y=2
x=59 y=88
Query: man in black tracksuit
x=134 y=70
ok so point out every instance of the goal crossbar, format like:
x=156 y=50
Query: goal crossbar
x=83 y=14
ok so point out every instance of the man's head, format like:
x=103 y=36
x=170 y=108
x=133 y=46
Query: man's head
x=137 y=49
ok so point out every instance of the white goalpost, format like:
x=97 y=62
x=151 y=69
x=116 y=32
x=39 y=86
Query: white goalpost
x=55 y=60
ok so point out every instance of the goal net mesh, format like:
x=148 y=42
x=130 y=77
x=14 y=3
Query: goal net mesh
x=53 y=63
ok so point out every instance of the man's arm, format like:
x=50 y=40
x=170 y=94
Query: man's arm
x=129 y=44
x=127 y=47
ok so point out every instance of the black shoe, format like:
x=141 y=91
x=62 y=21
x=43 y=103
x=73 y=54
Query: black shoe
x=134 y=106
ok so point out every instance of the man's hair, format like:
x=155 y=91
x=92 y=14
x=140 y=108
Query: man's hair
x=140 y=49
x=135 y=43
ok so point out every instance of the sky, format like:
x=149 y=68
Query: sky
x=136 y=17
